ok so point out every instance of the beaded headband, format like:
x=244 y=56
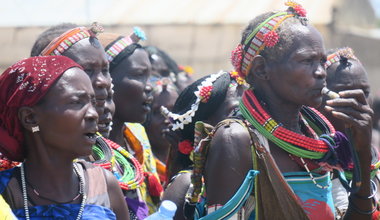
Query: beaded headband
x=62 y=43
x=264 y=35
x=203 y=95
x=119 y=45
x=345 y=52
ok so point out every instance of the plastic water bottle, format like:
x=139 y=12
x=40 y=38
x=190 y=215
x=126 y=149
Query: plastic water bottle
x=165 y=212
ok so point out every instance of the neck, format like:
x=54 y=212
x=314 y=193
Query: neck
x=281 y=110
x=116 y=134
x=52 y=176
x=161 y=154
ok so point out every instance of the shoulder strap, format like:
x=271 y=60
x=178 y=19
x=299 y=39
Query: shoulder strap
x=271 y=188
x=12 y=193
x=96 y=184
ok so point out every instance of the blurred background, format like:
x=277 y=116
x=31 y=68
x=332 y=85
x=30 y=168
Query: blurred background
x=199 y=33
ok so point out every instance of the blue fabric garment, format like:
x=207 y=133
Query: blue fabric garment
x=66 y=212
x=317 y=203
x=61 y=211
x=234 y=204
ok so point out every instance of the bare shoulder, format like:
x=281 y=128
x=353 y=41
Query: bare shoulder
x=176 y=192
x=232 y=139
x=228 y=161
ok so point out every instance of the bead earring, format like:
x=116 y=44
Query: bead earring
x=35 y=129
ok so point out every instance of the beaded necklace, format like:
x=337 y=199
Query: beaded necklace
x=293 y=143
x=133 y=175
x=25 y=194
x=118 y=161
x=105 y=157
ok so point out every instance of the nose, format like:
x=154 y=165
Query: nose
x=102 y=81
x=92 y=114
x=148 y=88
x=320 y=72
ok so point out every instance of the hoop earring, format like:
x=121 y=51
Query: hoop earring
x=35 y=129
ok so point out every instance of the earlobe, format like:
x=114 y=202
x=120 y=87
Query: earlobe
x=258 y=68
x=28 y=118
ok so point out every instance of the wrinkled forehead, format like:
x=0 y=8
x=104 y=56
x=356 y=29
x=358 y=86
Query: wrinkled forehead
x=74 y=79
x=305 y=35
x=88 y=49
x=305 y=41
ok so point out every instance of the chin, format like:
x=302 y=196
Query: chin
x=86 y=151
x=139 y=119
x=314 y=102
x=105 y=134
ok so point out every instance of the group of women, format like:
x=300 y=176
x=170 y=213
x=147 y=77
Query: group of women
x=95 y=126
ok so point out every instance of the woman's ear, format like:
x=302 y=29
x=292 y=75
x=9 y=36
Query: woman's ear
x=28 y=118
x=259 y=68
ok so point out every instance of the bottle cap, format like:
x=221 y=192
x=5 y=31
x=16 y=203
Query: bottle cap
x=168 y=208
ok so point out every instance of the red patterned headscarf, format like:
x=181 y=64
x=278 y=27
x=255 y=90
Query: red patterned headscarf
x=24 y=84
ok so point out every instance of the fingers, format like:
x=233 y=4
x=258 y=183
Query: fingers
x=352 y=108
x=357 y=94
x=354 y=99
x=350 y=103
x=353 y=120
x=365 y=114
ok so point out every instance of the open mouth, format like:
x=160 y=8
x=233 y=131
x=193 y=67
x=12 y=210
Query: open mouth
x=91 y=137
x=105 y=126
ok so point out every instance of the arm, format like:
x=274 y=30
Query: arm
x=228 y=162
x=118 y=203
x=176 y=193
x=354 y=110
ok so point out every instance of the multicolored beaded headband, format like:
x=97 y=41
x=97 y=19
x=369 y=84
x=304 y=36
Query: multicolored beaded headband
x=62 y=43
x=124 y=42
x=345 y=52
x=264 y=35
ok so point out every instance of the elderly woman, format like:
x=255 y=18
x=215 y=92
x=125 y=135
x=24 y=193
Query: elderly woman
x=47 y=120
x=293 y=146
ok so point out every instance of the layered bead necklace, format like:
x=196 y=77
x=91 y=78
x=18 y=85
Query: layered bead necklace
x=120 y=162
x=25 y=194
x=292 y=142
x=133 y=174
x=295 y=144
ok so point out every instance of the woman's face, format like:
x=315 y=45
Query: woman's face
x=91 y=56
x=105 y=119
x=299 y=78
x=230 y=103
x=159 y=66
x=132 y=93
x=67 y=116
x=157 y=124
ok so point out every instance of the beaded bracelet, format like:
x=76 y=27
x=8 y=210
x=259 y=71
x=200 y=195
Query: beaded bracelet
x=356 y=209
x=374 y=191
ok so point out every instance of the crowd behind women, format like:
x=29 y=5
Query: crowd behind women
x=96 y=126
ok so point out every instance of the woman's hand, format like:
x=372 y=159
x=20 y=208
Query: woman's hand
x=353 y=109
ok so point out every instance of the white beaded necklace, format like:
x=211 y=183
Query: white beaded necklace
x=25 y=196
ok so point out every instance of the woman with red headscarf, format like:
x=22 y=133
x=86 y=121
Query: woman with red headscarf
x=43 y=101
